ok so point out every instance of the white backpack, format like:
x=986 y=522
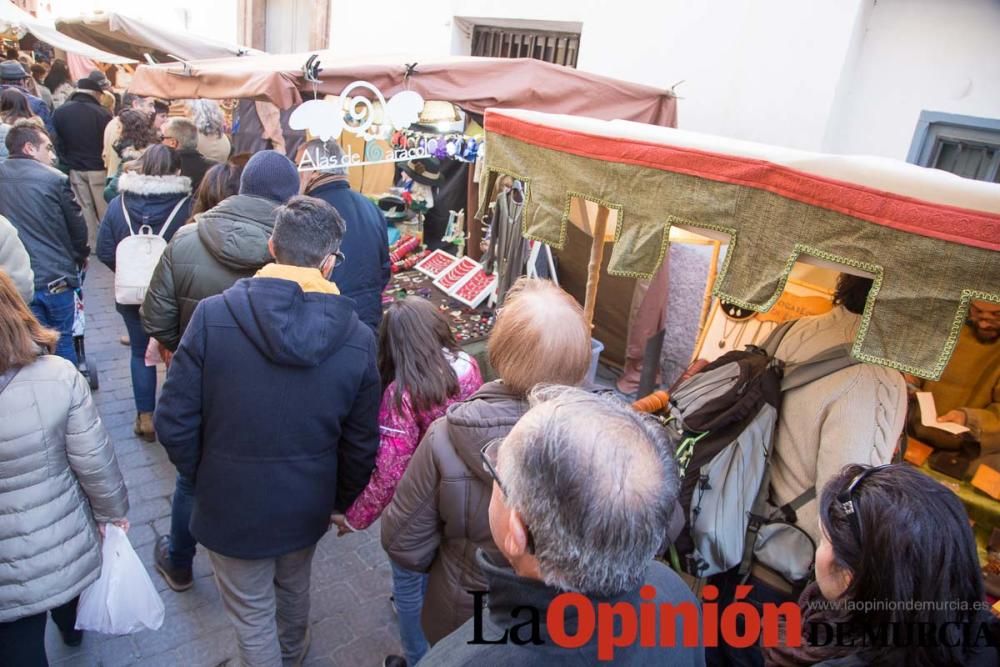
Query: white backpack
x=136 y=258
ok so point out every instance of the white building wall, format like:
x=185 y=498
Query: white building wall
x=752 y=69
x=918 y=55
x=845 y=76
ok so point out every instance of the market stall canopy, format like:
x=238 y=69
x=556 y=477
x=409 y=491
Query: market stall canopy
x=15 y=20
x=930 y=239
x=472 y=83
x=134 y=38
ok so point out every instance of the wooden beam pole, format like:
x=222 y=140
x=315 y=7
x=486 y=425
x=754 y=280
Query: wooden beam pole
x=594 y=268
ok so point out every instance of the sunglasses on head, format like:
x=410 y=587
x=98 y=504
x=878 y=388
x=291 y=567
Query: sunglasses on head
x=848 y=500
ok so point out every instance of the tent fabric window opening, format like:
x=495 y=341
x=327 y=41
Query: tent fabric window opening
x=560 y=48
x=774 y=206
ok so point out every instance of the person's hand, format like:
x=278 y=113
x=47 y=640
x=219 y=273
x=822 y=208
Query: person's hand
x=340 y=521
x=121 y=523
x=165 y=354
x=954 y=416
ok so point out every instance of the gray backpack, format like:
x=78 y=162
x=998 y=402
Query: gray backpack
x=722 y=422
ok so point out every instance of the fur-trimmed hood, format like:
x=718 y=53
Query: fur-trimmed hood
x=149 y=200
x=148 y=186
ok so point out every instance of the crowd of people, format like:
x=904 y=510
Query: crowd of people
x=294 y=406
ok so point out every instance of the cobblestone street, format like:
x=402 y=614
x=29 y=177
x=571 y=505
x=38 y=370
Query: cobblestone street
x=352 y=620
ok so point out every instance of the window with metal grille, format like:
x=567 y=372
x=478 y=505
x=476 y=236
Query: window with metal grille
x=963 y=145
x=560 y=48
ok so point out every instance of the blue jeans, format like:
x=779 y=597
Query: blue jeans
x=182 y=542
x=143 y=376
x=56 y=311
x=408 y=589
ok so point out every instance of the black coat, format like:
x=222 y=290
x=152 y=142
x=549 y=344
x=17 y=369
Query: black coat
x=271 y=405
x=79 y=126
x=510 y=593
x=38 y=201
x=365 y=271
x=194 y=165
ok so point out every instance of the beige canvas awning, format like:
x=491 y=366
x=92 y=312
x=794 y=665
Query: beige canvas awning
x=472 y=83
x=15 y=20
x=134 y=38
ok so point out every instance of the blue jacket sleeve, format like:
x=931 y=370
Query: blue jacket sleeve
x=75 y=224
x=41 y=109
x=178 y=413
x=384 y=249
x=109 y=234
x=359 y=437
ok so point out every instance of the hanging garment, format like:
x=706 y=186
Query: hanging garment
x=508 y=248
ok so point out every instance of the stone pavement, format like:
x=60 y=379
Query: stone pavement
x=352 y=620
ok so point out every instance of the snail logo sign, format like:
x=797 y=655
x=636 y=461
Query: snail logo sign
x=356 y=113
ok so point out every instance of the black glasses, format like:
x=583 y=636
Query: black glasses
x=488 y=454
x=848 y=499
x=340 y=257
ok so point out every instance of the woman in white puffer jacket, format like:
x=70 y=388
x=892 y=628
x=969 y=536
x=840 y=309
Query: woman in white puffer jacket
x=59 y=483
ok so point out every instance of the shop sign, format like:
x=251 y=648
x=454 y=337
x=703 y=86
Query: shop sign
x=356 y=113
x=376 y=152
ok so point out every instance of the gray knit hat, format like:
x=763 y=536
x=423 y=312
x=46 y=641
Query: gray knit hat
x=11 y=70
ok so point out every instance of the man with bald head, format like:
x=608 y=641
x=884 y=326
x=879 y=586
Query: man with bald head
x=583 y=488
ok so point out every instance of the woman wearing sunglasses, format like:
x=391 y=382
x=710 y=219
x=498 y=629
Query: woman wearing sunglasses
x=897 y=558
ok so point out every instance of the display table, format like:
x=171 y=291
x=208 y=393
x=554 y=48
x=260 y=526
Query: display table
x=983 y=510
x=471 y=326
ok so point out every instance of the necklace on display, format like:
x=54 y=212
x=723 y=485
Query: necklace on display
x=738 y=328
x=739 y=317
x=760 y=330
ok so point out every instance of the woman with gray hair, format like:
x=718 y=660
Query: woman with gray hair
x=211 y=123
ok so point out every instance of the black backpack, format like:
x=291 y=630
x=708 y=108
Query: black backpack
x=722 y=421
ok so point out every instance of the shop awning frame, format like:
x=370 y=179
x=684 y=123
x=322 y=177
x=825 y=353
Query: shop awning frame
x=930 y=239
x=14 y=19
x=474 y=84
x=135 y=38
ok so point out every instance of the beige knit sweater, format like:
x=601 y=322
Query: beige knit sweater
x=852 y=416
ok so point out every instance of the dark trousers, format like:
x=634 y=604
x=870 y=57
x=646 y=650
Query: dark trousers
x=182 y=542
x=57 y=311
x=22 y=642
x=143 y=376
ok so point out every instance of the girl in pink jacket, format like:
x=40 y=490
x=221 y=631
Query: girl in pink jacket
x=423 y=371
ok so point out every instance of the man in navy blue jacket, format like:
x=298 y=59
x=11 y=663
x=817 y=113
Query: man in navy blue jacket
x=365 y=273
x=13 y=75
x=271 y=407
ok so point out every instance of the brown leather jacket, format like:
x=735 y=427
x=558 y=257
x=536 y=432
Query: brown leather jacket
x=439 y=515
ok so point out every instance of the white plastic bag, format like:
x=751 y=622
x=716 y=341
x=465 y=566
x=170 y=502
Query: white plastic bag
x=123 y=599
